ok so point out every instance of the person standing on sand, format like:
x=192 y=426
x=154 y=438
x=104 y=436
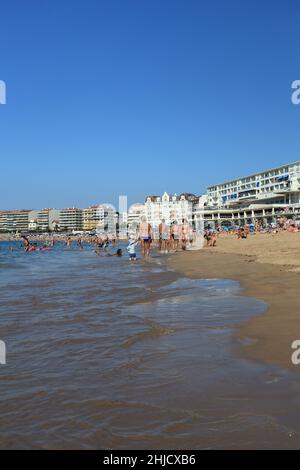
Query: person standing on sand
x=213 y=238
x=242 y=232
x=145 y=235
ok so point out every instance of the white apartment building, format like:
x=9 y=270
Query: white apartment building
x=261 y=196
x=170 y=208
x=134 y=216
x=281 y=185
x=106 y=219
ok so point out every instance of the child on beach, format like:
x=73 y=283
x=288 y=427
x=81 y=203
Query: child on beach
x=131 y=249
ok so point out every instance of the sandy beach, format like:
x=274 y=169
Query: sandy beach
x=268 y=268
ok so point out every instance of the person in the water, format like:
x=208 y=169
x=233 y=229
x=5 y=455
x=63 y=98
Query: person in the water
x=131 y=248
x=26 y=243
x=69 y=241
x=145 y=236
x=32 y=247
x=118 y=253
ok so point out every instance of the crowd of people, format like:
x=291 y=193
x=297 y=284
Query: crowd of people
x=280 y=224
x=166 y=238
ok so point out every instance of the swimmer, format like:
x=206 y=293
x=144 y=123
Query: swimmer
x=44 y=248
x=118 y=253
x=69 y=241
x=106 y=243
x=32 y=247
x=26 y=243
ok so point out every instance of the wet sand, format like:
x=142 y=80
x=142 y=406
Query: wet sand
x=268 y=268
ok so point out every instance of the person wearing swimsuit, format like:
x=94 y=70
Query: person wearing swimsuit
x=175 y=235
x=26 y=243
x=184 y=233
x=145 y=236
x=164 y=235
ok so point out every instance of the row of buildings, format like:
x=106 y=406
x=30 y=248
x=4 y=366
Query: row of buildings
x=102 y=217
x=261 y=197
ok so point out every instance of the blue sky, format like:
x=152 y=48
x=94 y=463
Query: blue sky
x=137 y=97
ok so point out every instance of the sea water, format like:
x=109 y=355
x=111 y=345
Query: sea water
x=103 y=353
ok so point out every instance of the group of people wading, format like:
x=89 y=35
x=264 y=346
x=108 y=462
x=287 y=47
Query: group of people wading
x=170 y=237
x=167 y=237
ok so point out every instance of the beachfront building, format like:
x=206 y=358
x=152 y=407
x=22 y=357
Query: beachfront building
x=121 y=223
x=170 y=208
x=199 y=207
x=101 y=217
x=47 y=219
x=14 y=221
x=261 y=197
x=33 y=223
x=106 y=219
x=71 y=218
x=90 y=218
x=134 y=216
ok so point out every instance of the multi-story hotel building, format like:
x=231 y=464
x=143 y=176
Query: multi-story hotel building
x=71 y=218
x=101 y=217
x=14 y=221
x=107 y=219
x=44 y=220
x=90 y=218
x=261 y=196
x=170 y=208
x=135 y=213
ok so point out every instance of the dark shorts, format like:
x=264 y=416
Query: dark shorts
x=132 y=255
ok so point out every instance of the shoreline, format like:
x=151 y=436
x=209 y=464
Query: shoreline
x=266 y=268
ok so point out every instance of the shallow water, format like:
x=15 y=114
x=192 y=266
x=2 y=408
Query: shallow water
x=103 y=353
